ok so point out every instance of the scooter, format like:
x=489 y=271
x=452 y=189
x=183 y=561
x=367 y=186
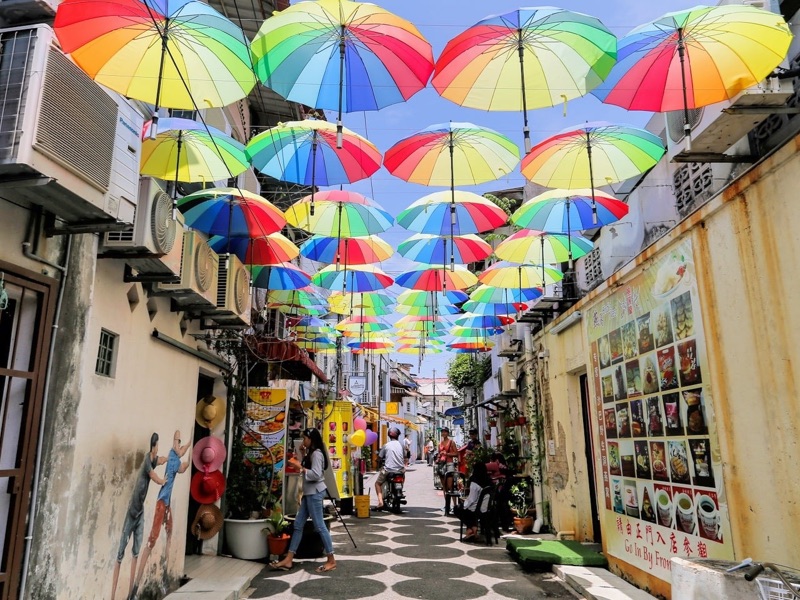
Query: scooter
x=393 y=496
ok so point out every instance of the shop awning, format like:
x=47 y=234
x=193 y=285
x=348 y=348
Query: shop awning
x=293 y=358
x=374 y=414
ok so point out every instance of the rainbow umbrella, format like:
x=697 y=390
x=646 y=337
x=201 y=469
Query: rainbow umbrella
x=263 y=250
x=339 y=213
x=427 y=309
x=423 y=326
x=231 y=212
x=483 y=321
x=377 y=58
x=490 y=294
x=367 y=303
x=493 y=308
x=695 y=57
x=297 y=297
x=288 y=309
x=592 y=155
x=305 y=152
x=353 y=251
x=435 y=249
x=471 y=347
x=315 y=344
x=415 y=338
x=283 y=276
x=475 y=332
x=358 y=278
x=434 y=335
x=433 y=214
x=538 y=247
x=437 y=279
x=377 y=343
x=507 y=275
x=421 y=298
x=528 y=58
x=411 y=349
x=177 y=54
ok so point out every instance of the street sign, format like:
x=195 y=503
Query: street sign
x=357 y=384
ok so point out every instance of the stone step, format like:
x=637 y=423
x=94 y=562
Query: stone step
x=599 y=584
x=212 y=589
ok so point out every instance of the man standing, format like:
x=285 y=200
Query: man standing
x=163 y=514
x=134 y=518
x=429 y=449
x=392 y=456
x=407 y=449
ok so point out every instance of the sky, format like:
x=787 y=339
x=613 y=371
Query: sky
x=439 y=21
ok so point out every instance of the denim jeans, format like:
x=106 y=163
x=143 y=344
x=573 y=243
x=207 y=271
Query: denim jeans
x=311 y=506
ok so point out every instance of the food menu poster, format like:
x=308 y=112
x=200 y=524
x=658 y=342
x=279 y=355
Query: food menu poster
x=658 y=452
x=337 y=429
x=264 y=435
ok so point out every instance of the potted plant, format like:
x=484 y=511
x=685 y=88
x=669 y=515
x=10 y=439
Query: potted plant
x=521 y=505
x=277 y=530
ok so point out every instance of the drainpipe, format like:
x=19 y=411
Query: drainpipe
x=33 y=231
x=523 y=332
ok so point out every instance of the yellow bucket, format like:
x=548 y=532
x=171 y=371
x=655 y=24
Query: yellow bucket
x=362 y=506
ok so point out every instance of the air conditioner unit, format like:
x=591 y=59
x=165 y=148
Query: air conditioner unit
x=27 y=11
x=198 y=277
x=233 y=293
x=61 y=134
x=507 y=378
x=508 y=345
x=154 y=243
x=716 y=128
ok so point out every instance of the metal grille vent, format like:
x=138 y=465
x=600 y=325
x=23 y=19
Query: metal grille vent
x=77 y=121
x=15 y=58
x=675 y=122
x=163 y=228
x=124 y=235
x=222 y=282
x=204 y=266
x=241 y=290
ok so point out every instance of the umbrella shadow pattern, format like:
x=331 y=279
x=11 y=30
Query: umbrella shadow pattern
x=416 y=554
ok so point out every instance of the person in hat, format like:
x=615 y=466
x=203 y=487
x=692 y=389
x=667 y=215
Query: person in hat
x=312 y=470
x=448 y=451
x=207 y=522
x=210 y=412
x=134 y=517
x=163 y=514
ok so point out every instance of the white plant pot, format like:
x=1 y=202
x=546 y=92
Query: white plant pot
x=247 y=539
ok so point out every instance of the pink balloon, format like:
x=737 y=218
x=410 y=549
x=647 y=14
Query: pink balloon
x=359 y=424
x=372 y=437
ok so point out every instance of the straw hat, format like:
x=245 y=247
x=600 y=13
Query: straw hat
x=210 y=412
x=207 y=488
x=207 y=522
x=208 y=454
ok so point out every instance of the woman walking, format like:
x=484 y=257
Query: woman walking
x=312 y=469
x=448 y=451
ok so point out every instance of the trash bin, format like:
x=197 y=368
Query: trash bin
x=362 y=506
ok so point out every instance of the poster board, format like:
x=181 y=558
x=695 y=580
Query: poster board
x=264 y=435
x=336 y=431
x=660 y=472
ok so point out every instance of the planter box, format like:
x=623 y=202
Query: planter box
x=246 y=539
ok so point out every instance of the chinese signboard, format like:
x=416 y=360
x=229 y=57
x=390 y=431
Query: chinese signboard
x=660 y=461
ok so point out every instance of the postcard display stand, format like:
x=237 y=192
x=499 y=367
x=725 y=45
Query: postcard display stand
x=265 y=435
x=659 y=460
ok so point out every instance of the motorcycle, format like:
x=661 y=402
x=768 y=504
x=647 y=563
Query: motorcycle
x=393 y=496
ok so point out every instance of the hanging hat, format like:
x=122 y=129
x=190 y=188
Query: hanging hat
x=207 y=522
x=208 y=454
x=208 y=487
x=210 y=412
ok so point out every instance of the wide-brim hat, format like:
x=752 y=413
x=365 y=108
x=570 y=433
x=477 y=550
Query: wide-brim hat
x=207 y=522
x=210 y=412
x=208 y=454
x=208 y=487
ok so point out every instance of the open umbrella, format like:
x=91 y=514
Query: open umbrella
x=358 y=278
x=434 y=215
x=435 y=249
x=493 y=308
x=528 y=58
x=339 y=213
x=431 y=278
x=341 y=55
x=427 y=309
x=283 y=276
x=177 y=54
x=483 y=321
x=539 y=247
x=507 y=275
x=263 y=250
x=695 y=57
x=592 y=155
x=231 y=212
x=490 y=294
x=353 y=251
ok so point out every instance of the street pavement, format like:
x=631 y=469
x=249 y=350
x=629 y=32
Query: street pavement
x=416 y=554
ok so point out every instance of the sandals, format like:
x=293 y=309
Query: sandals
x=278 y=567
x=380 y=507
x=325 y=568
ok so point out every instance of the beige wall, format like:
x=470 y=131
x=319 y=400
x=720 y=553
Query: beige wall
x=746 y=248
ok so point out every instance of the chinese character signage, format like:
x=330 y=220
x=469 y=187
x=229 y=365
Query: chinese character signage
x=660 y=464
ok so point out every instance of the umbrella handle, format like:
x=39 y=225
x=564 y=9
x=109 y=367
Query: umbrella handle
x=526 y=131
x=339 y=132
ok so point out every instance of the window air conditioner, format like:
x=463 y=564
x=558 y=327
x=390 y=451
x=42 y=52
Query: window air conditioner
x=233 y=293
x=508 y=379
x=198 y=277
x=509 y=346
x=62 y=137
x=153 y=245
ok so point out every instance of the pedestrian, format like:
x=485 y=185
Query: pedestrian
x=407 y=449
x=312 y=470
x=470 y=512
x=446 y=466
x=392 y=456
x=429 y=451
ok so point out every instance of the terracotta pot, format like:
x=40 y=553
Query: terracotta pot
x=522 y=420
x=488 y=437
x=278 y=544
x=523 y=525
x=492 y=423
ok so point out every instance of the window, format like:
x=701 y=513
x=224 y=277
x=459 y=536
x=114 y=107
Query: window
x=106 y=354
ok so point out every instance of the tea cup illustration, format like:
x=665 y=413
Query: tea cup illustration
x=684 y=513
x=664 y=508
x=708 y=516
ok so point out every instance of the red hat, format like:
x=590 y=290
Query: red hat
x=208 y=454
x=208 y=487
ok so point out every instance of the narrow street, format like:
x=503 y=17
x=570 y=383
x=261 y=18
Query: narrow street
x=413 y=555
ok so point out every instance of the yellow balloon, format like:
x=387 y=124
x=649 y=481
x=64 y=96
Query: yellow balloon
x=359 y=438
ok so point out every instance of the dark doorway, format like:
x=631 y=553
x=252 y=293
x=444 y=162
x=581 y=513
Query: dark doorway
x=205 y=387
x=588 y=433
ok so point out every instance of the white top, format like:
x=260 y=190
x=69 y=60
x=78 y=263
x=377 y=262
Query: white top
x=392 y=453
x=314 y=478
x=471 y=503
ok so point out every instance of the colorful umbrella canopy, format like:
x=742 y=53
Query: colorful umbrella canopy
x=568 y=210
x=315 y=344
x=264 y=250
x=427 y=309
x=231 y=212
x=351 y=251
x=475 y=332
x=435 y=249
x=339 y=214
x=408 y=339
x=437 y=279
x=411 y=349
x=434 y=335
x=178 y=54
x=372 y=344
x=538 y=247
x=188 y=151
x=284 y=276
x=420 y=298
x=468 y=347
x=433 y=214
x=288 y=309
x=528 y=58
x=366 y=303
x=695 y=57
x=483 y=321
x=377 y=58
x=504 y=274
x=493 y=308
x=358 y=278
x=422 y=326
x=490 y=294
x=297 y=297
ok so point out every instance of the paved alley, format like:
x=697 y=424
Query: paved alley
x=413 y=555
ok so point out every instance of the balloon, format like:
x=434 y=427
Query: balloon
x=372 y=437
x=358 y=438
x=359 y=424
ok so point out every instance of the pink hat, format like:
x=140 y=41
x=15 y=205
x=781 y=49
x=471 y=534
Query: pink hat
x=208 y=454
x=207 y=488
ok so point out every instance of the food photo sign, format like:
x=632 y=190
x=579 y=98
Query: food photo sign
x=264 y=434
x=659 y=455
